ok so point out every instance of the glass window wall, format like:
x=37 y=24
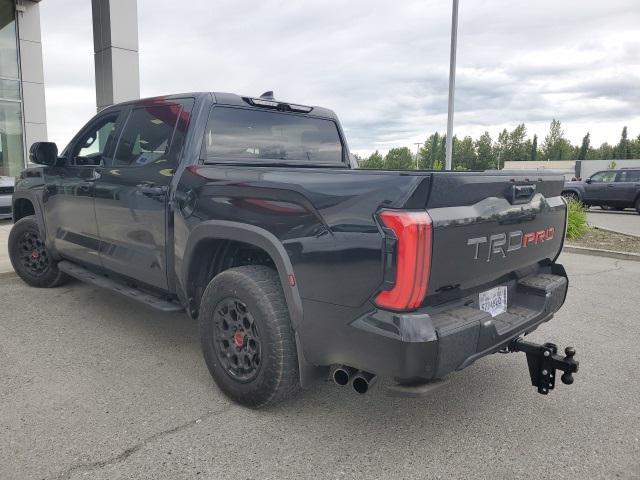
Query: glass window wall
x=11 y=134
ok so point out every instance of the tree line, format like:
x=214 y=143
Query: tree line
x=484 y=153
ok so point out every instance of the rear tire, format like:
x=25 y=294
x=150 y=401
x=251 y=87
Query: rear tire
x=638 y=205
x=30 y=258
x=246 y=336
x=571 y=196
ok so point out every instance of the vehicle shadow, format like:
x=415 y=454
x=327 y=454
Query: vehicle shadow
x=178 y=331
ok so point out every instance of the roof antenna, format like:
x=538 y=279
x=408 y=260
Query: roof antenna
x=268 y=95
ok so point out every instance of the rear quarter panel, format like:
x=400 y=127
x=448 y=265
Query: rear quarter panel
x=323 y=217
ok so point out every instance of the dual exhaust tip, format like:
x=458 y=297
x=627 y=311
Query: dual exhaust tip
x=360 y=380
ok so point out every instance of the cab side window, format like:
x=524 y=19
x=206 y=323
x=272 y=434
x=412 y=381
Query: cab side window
x=147 y=136
x=96 y=142
x=603 y=177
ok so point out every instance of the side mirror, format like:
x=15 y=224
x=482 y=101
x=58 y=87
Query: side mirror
x=43 y=153
x=588 y=180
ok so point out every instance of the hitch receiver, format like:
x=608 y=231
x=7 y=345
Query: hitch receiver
x=543 y=361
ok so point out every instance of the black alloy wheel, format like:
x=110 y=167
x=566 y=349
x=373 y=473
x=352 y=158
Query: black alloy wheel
x=237 y=340
x=33 y=255
x=30 y=258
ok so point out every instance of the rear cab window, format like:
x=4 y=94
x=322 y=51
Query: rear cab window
x=628 y=176
x=153 y=134
x=257 y=136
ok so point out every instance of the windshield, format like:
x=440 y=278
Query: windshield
x=234 y=133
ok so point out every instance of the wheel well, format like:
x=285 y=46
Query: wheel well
x=22 y=208
x=213 y=256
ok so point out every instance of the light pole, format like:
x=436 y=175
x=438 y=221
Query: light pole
x=417 y=144
x=452 y=84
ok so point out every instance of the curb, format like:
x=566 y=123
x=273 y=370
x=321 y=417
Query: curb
x=602 y=253
x=614 y=231
x=8 y=274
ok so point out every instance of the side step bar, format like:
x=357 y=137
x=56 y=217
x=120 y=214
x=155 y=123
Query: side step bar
x=85 y=275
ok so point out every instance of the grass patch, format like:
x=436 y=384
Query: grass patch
x=577 y=222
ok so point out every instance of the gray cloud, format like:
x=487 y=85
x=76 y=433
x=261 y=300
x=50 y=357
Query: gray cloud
x=381 y=65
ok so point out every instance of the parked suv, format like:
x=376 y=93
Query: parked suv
x=617 y=189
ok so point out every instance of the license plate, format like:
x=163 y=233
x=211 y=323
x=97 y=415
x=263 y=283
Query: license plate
x=494 y=301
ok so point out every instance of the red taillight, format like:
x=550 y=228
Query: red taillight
x=413 y=259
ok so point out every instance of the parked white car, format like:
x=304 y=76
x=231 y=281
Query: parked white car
x=6 y=192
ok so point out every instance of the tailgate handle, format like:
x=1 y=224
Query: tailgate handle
x=522 y=193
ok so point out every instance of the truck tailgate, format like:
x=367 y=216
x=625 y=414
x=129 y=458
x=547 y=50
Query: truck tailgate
x=487 y=225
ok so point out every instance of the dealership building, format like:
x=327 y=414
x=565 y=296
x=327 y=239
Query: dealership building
x=22 y=94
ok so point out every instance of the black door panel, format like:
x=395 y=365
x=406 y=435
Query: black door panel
x=599 y=189
x=132 y=192
x=71 y=219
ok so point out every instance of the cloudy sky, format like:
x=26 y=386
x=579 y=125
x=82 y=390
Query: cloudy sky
x=382 y=65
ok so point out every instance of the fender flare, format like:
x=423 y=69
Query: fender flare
x=259 y=237
x=36 y=201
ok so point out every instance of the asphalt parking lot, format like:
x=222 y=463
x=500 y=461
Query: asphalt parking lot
x=97 y=386
x=626 y=221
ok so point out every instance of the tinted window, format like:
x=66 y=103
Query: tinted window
x=629 y=176
x=147 y=135
x=95 y=141
x=234 y=133
x=607 y=176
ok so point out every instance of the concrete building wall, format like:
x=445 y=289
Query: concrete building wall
x=586 y=168
x=564 y=167
x=31 y=72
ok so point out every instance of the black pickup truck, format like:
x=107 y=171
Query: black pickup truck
x=248 y=213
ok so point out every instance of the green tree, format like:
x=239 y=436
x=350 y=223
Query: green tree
x=603 y=152
x=517 y=147
x=556 y=147
x=431 y=152
x=584 y=148
x=634 y=148
x=622 y=150
x=485 y=158
x=534 y=148
x=399 y=159
x=464 y=153
x=374 y=161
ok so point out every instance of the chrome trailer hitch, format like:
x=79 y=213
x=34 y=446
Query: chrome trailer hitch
x=543 y=361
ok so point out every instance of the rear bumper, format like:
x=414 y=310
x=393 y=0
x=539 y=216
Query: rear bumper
x=432 y=342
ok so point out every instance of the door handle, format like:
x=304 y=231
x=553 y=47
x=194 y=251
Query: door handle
x=97 y=173
x=610 y=186
x=152 y=191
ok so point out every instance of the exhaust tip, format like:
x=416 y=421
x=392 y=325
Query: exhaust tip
x=341 y=376
x=362 y=381
x=360 y=385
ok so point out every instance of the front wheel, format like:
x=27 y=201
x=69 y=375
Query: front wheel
x=30 y=258
x=246 y=336
x=638 y=205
